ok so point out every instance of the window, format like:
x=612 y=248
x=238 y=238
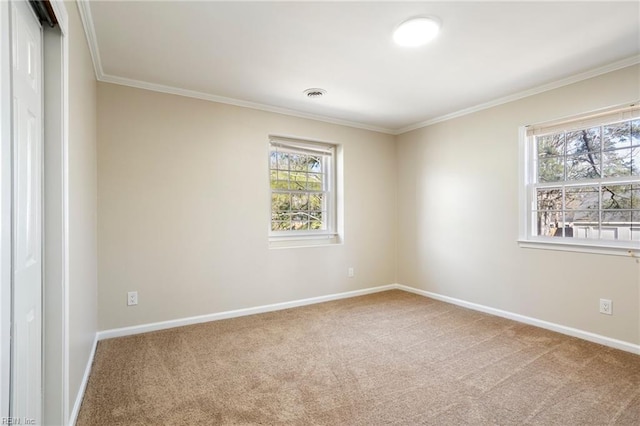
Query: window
x=303 y=200
x=582 y=181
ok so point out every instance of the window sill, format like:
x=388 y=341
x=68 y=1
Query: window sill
x=302 y=241
x=581 y=247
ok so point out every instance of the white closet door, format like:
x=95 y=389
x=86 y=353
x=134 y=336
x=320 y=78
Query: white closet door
x=26 y=368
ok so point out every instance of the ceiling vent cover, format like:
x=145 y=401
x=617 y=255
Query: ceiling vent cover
x=315 y=92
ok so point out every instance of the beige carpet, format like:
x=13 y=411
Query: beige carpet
x=390 y=358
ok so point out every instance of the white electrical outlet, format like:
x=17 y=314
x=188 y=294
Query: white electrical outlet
x=350 y=272
x=132 y=298
x=606 y=307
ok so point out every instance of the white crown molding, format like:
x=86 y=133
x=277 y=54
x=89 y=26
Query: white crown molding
x=84 y=8
x=237 y=102
x=87 y=22
x=614 y=66
x=89 y=30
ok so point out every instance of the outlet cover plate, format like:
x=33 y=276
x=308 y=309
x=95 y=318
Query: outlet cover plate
x=606 y=307
x=132 y=298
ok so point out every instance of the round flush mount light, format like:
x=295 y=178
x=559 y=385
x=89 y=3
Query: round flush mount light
x=315 y=92
x=416 y=32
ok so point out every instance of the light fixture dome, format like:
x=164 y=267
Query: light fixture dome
x=416 y=32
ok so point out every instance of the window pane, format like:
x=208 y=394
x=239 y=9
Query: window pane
x=635 y=225
x=315 y=182
x=551 y=169
x=300 y=195
x=300 y=202
x=549 y=222
x=298 y=161
x=580 y=164
x=315 y=164
x=549 y=199
x=582 y=217
x=316 y=202
x=299 y=221
x=616 y=197
x=585 y=166
x=635 y=161
x=281 y=184
x=582 y=198
x=317 y=220
x=283 y=175
x=616 y=217
x=317 y=225
x=298 y=181
x=586 y=231
x=617 y=135
x=283 y=161
x=281 y=225
x=551 y=145
x=582 y=224
x=280 y=202
x=280 y=216
x=583 y=141
x=635 y=132
x=566 y=231
x=617 y=163
x=317 y=215
x=616 y=225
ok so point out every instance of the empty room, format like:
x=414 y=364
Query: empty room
x=330 y=213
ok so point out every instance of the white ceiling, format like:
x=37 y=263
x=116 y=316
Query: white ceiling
x=264 y=54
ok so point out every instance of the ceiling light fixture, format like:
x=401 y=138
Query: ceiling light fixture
x=315 y=92
x=416 y=32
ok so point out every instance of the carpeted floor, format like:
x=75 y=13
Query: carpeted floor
x=390 y=358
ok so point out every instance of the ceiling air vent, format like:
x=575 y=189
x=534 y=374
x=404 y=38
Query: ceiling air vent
x=315 y=93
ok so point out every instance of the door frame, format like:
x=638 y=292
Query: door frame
x=5 y=208
x=55 y=300
x=55 y=355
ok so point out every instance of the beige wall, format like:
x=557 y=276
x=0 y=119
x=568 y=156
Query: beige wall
x=183 y=217
x=184 y=209
x=458 y=217
x=83 y=279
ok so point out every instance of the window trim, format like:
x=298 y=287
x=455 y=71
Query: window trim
x=308 y=238
x=526 y=187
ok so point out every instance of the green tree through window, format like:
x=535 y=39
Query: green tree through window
x=586 y=181
x=301 y=181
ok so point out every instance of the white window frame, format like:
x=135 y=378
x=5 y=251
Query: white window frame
x=305 y=238
x=528 y=185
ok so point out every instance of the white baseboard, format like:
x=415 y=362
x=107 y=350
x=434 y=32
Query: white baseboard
x=581 y=334
x=83 y=385
x=145 y=328
x=127 y=331
x=585 y=335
